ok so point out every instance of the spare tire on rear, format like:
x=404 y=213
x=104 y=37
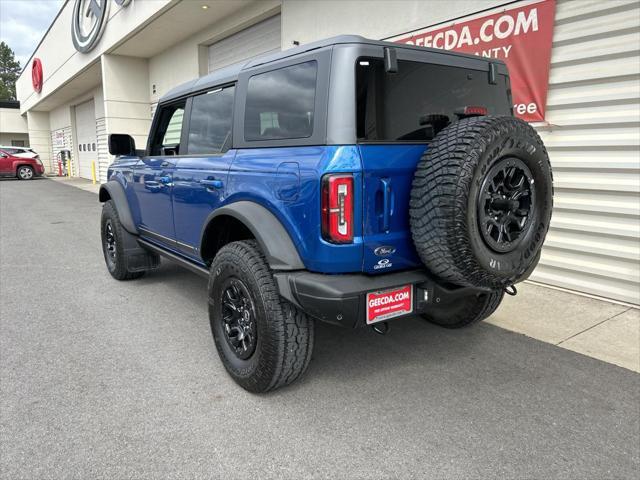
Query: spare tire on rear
x=481 y=202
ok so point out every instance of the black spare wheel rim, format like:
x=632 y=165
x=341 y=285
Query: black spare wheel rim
x=110 y=241
x=506 y=202
x=238 y=318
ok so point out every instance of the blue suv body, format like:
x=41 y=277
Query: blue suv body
x=297 y=152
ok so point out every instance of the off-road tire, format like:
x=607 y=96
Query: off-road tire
x=445 y=198
x=285 y=335
x=465 y=311
x=116 y=264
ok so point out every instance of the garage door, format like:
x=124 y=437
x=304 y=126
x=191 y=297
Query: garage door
x=593 y=138
x=86 y=138
x=263 y=37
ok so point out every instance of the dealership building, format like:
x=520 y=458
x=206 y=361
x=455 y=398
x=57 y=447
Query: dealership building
x=103 y=65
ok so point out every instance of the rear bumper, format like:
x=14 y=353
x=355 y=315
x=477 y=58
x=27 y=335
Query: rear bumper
x=341 y=299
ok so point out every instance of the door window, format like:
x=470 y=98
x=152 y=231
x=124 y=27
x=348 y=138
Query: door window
x=166 y=138
x=210 y=122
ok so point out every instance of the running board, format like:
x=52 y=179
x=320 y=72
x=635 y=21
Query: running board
x=195 y=268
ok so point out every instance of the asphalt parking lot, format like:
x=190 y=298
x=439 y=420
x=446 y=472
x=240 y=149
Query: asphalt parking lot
x=102 y=379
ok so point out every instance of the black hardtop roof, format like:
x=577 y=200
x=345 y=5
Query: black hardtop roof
x=230 y=74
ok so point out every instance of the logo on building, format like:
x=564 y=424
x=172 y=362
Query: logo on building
x=36 y=74
x=88 y=22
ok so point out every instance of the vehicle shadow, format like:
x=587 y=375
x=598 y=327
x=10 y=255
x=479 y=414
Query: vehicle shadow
x=342 y=354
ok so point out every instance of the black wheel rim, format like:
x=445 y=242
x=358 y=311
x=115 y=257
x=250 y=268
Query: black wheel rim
x=239 y=319
x=506 y=204
x=110 y=241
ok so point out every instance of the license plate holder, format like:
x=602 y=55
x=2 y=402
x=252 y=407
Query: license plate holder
x=390 y=303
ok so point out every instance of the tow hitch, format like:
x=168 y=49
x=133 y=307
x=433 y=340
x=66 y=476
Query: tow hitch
x=511 y=290
x=381 y=328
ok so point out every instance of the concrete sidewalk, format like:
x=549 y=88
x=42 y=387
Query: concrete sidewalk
x=597 y=328
x=77 y=182
x=603 y=330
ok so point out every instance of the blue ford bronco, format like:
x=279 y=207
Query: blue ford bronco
x=349 y=181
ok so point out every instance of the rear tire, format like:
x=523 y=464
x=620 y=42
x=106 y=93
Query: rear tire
x=466 y=311
x=112 y=234
x=25 y=172
x=264 y=342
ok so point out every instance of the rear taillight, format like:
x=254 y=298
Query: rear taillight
x=337 y=208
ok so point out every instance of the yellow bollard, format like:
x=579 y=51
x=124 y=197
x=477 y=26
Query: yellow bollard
x=69 y=168
x=93 y=172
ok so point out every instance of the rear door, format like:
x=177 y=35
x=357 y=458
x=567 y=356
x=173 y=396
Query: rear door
x=200 y=180
x=398 y=114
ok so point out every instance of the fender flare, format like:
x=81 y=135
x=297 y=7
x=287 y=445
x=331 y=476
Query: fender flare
x=274 y=240
x=115 y=191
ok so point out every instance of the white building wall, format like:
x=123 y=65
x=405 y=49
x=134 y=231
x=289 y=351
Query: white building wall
x=8 y=138
x=126 y=103
x=188 y=59
x=13 y=126
x=60 y=60
x=310 y=20
x=593 y=139
x=40 y=138
x=12 y=121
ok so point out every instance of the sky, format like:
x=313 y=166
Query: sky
x=24 y=22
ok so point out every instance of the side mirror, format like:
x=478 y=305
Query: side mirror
x=122 y=144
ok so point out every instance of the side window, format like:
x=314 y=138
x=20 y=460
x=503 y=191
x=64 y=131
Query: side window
x=280 y=103
x=166 y=138
x=210 y=122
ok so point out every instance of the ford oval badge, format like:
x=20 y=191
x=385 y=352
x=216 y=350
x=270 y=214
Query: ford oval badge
x=384 y=251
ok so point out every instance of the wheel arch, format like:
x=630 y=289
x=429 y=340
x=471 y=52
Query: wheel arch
x=114 y=191
x=244 y=220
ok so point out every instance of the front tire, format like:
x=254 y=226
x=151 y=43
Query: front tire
x=465 y=311
x=264 y=342
x=112 y=234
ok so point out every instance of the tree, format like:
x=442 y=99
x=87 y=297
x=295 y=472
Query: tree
x=9 y=72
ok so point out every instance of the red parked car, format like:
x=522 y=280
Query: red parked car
x=12 y=164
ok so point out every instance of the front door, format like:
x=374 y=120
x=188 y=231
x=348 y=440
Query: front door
x=153 y=177
x=6 y=163
x=153 y=185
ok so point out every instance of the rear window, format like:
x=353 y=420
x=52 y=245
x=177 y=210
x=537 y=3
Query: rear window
x=419 y=100
x=280 y=103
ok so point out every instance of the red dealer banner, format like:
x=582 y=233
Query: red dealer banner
x=519 y=34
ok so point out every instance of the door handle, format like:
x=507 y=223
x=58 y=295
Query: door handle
x=153 y=186
x=212 y=183
x=165 y=180
x=386 y=203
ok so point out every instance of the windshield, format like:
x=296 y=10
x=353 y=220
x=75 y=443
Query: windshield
x=421 y=99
